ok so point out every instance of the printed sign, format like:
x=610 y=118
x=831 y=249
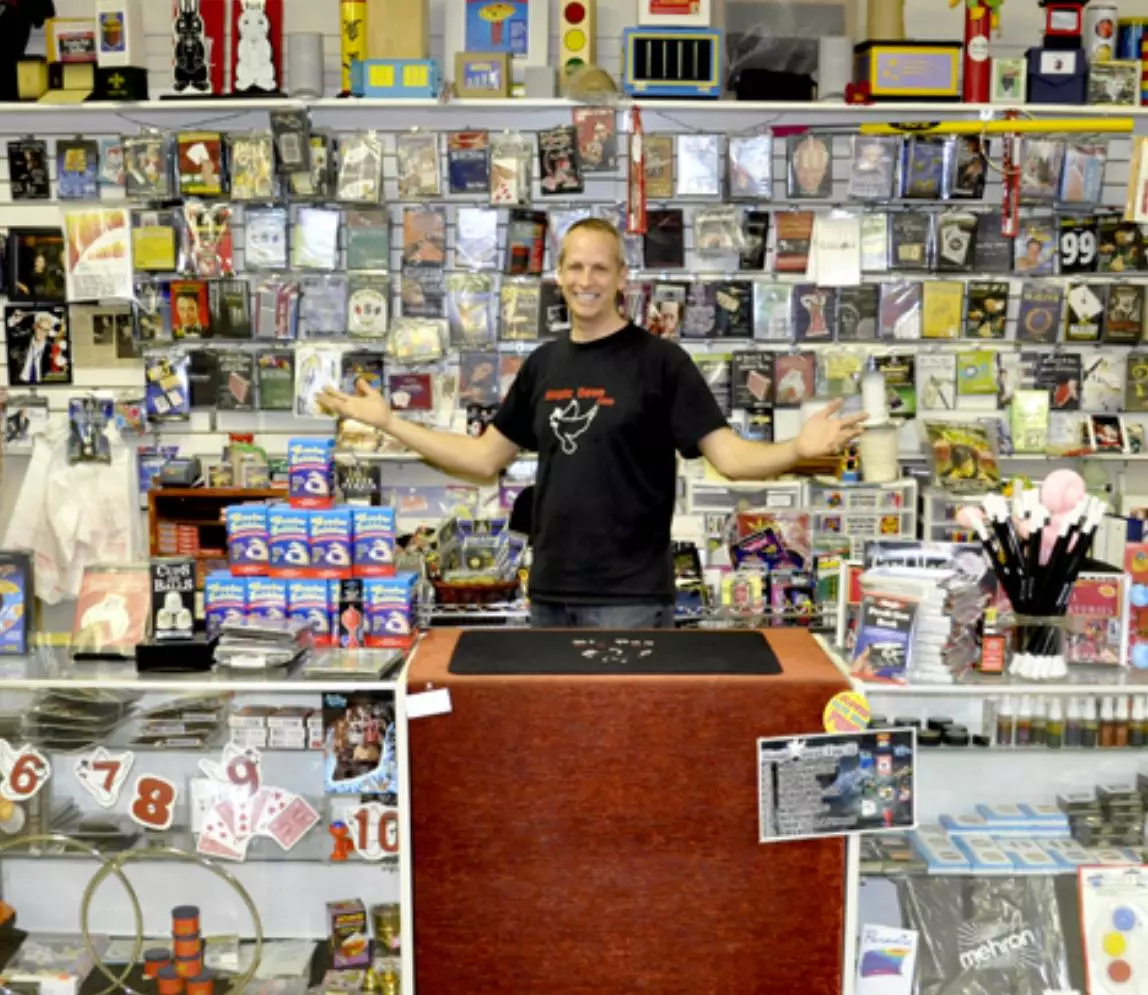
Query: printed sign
x=835 y=784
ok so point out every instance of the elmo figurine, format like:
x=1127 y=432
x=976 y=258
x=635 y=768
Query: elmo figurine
x=17 y=19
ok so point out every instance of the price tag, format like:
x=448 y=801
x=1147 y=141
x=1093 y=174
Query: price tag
x=153 y=802
x=25 y=771
x=103 y=774
x=374 y=830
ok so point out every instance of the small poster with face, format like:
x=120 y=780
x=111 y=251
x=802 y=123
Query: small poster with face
x=190 y=310
x=810 y=166
x=38 y=345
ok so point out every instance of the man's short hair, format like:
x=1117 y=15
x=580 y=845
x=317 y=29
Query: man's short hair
x=603 y=227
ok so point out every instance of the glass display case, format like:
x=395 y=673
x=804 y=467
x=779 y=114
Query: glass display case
x=221 y=832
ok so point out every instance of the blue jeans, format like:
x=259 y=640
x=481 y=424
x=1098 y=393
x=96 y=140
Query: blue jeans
x=554 y=615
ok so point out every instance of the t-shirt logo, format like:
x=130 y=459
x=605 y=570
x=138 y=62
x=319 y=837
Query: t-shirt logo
x=570 y=422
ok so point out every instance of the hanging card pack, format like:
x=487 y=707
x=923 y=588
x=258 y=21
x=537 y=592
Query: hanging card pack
x=470 y=310
x=168 y=386
x=315 y=242
x=476 y=238
x=368 y=305
x=316 y=367
x=323 y=309
x=510 y=169
x=265 y=238
x=417 y=157
x=252 y=163
x=368 y=238
x=360 y=179
x=468 y=162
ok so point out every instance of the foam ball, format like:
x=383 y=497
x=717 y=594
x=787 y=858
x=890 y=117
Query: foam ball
x=1140 y=656
x=1062 y=491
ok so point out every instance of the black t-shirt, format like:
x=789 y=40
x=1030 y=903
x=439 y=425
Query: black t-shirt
x=605 y=418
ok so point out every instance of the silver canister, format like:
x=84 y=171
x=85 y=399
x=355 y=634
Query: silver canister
x=304 y=66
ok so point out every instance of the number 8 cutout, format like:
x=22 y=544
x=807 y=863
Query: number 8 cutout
x=153 y=802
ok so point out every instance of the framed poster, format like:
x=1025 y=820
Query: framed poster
x=519 y=29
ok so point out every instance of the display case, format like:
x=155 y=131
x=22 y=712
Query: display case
x=237 y=829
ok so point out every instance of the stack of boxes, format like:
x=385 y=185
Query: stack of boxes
x=1113 y=816
x=308 y=559
x=292 y=727
x=1058 y=70
x=180 y=971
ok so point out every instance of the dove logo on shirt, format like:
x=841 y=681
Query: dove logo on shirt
x=575 y=413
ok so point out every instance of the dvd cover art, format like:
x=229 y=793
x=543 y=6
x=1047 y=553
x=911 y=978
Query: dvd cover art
x=750 y=166
x=1061 y=374
x=1079 y=245
x=1036 y=247
x=814 y=313
x=1039 y=315
x=112 y=610
x=315 y=240
x=734 y=300
x=956 y=240
x=910 y=240
x=265 y=238
x=993 y=252
x=252 y=165
x=360 y=178
x=230 y=309
x=275 y=373
x=666 y=310
x=367 y=234
x=470 y=309
x=526 y=242
x=857 y=313
x=872 y=168
x=795 y=378
x=236 y=380
x=699 y=166
x=424 y=237
x=1120 y=248
x=664 y=244
x=968 y=169
x=1082 y=175
x=751 y=376
x=417 y=157
x=942 y=303
x=1041 y=161
x=468 y=161
x=553 y=315
x=922 y=167
x=936 y=381
x=987 y=314
x=1124 y=314
x=794 y=236
x=899 y=316
x=771 y=311
x=38 y=344
x=28 y=169
x=147 y=168
x=359 y=365
x=900 y=373
x=1136 y=383
x=423 y=293
x=519 y=304
x=36 y=258
x=190 y=310
x=476 y=238
x=368 y=305
x=478 y=378
x=1084 y=311
x=200 y=163
x=755 y=238
x=699 y=320
x=810 y=160
x=111 y=162
x=1102 y=387
x=359 y=753
x=597 y=131
x=658 y=151
x=560 y=171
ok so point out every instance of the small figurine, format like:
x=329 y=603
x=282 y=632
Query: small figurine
x=344 y=845
x=255 y=65
x=190 y=49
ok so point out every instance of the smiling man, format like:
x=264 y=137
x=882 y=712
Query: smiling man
x=606 y=409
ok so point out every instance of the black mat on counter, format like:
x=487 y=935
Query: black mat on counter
x=612 y=651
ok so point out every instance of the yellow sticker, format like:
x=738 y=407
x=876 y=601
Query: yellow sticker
x=847 y=711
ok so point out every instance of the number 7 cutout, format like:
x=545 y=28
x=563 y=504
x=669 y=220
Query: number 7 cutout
x=103 y=774
x=153 y=802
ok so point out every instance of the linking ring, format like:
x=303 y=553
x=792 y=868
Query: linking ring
x=109 y=867
x=115 y=866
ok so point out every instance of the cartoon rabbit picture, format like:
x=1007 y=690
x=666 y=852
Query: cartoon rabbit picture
x=255 y=65
x=190 y=49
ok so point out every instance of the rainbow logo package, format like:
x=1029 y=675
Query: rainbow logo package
x=311 y=473
x=374 y=550
x=289 y=540
x=247 y=539
x=389 y=607
x=266 y=597
x=224 y=599
x=331 y=543
x=309 y=601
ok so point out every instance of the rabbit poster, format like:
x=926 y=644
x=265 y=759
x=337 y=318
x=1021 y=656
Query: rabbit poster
x=198 y=47
x=256 y=47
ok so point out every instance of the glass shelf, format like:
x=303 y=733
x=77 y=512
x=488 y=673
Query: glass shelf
x=50 y=667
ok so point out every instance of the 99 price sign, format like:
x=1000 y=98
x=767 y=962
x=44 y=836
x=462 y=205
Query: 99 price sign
x=1078 y=244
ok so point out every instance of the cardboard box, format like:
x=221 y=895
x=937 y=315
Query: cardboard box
x=349 y=936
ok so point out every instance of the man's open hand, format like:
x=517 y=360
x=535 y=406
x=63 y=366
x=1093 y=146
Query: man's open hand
x=365 y=405
x=824 y=433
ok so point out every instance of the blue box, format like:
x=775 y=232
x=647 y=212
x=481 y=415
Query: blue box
x=310 y=601
x=412 y=79
x=247 y=539
x=374 y=550
x=289 y=541
x=331 y=543
x=389 y=610
x=224 y=599
x=311 y=473
x=1057 y=77
x=266 y=597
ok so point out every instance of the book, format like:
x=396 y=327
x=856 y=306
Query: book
x=112 y=611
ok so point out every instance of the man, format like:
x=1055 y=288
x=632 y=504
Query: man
x=605 y=410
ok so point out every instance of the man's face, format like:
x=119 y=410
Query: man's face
x=40 y=330
x=1034 y=252
x=188 y=311
x=591 y=275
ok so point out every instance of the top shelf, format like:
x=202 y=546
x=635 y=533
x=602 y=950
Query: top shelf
x=786 y=108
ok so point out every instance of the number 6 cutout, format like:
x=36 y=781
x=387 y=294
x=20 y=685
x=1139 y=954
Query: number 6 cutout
x=103 y=774
x=25 y=772
x=153 y=802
